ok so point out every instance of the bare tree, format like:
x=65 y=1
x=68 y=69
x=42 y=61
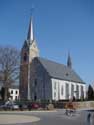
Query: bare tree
x=9 y=66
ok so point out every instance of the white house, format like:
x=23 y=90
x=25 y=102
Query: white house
x=14 y=92
x=13 y=89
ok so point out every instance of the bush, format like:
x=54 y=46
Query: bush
x=50 y=106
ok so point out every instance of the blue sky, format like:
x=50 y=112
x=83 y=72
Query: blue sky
x=59 y=26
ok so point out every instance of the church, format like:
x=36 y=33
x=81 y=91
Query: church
x=43 y=79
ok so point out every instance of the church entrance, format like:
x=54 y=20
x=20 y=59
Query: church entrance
x=35 y=97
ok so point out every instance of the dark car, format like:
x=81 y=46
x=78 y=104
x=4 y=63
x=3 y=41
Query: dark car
x=35 y=106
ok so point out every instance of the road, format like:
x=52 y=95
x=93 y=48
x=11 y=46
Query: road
x=59 y=118
x=52 y=118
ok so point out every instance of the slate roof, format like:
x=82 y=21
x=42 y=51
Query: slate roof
x=60 y=71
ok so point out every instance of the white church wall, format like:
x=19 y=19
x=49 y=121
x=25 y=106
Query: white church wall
x=59 y=94
x=62 y=89
x=55 y=89
x=58 y=89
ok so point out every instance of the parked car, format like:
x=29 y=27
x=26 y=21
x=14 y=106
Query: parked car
x=23 y=106
x=13 y=106
x=35 y=106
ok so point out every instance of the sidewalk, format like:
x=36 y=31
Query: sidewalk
x=85 y=109
x=14 y=119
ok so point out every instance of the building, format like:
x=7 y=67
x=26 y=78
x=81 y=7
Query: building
x=14 y=92
x=13 y=89
x=42 y=79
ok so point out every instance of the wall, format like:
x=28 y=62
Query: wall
x=43 y=87
x=60 y=83
x=85 y=105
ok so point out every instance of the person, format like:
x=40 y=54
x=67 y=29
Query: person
x=74 y=98
x=69 y=108
x=66 y=109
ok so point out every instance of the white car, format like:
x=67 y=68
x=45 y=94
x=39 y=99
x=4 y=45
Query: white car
x=13 y=106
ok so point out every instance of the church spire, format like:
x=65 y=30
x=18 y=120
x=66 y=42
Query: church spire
x=69 y=62
x=30 y=35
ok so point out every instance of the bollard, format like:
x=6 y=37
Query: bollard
x=92 y=119
x=89 y=119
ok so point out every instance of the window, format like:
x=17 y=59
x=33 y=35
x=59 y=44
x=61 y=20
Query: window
x=72 y=90
x=35 y=82
x=12 y=97
x=82 y=91
x=55 y=85
x=77 y=91
x=25 y=57
x=16 y=92
x=62 y=90
x=16 y=97
x=11 y=91
x=54 y=94
x=67 y=90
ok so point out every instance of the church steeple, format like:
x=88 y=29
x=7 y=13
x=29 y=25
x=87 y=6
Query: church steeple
x=28 y=52
x=69 y=61
x=30 y=35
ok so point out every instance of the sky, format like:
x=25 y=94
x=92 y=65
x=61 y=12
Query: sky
x=60 y=26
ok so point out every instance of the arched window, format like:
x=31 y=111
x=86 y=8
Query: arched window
x=35 y=82
x=55 y=85
x=62 y=90
x=25 y=57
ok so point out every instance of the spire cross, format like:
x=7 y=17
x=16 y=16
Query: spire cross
x=32 y=10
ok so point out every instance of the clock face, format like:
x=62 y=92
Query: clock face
x=25 y=57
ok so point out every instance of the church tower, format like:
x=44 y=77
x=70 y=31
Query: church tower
x=28 y=52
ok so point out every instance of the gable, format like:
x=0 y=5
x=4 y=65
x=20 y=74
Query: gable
x=34 y=46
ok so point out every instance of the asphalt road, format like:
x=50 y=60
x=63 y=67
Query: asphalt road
x=55 y=118
x=59 y=118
